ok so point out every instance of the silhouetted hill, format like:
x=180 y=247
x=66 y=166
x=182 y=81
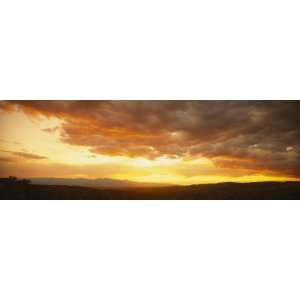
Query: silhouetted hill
x=261 y=190
x=95 y=183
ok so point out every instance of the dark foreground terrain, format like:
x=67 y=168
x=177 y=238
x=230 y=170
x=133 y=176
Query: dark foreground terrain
x=222 y=191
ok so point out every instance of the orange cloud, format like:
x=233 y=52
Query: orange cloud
x=25 y=155
x=251 y=135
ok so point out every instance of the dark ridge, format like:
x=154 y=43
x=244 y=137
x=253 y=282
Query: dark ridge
x=219 y=191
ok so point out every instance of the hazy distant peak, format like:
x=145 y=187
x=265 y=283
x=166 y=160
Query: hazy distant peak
x=96 y=182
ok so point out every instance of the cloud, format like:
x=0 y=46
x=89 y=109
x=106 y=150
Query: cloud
x=25 y=155
x=29 y=155
x=248 y=135
x=51 y=129
x=6 y=160
x=9 y=142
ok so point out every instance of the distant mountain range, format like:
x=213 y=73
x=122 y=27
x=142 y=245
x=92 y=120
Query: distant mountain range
x=13 y=189
x=94 y=183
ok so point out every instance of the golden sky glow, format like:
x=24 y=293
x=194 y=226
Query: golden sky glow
x=38 y=143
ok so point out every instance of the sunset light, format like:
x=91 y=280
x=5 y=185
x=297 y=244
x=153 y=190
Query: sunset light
x=169 y=142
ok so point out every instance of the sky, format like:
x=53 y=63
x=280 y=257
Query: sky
x=176 y=142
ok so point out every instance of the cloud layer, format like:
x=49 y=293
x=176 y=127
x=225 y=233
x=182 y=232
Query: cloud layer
x=259 y=136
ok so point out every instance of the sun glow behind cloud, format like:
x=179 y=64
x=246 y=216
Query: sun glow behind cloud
x=34 y=145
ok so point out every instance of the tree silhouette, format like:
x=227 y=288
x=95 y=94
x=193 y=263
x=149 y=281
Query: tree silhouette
x=25 y=181
x=12 y=178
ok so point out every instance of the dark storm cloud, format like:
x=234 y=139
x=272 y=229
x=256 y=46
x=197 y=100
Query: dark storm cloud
x=252 y=135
